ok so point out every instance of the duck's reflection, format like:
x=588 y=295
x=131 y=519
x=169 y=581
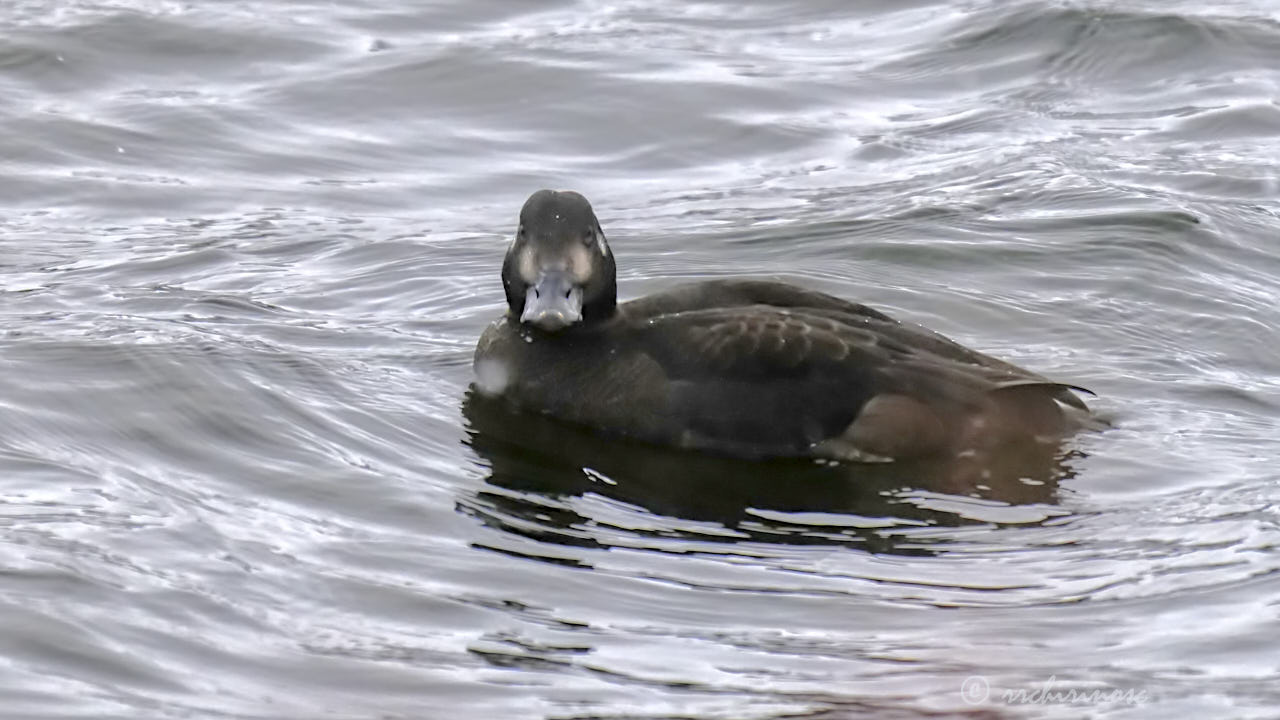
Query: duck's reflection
x=536 y=463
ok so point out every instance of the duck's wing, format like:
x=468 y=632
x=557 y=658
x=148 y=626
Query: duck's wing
x=940 y=347
x=757 y=342
x=741 y=293
x=763 y=342
x=759 y=379
x=764 y=376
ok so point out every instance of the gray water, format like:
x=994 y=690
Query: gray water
x=248 y=248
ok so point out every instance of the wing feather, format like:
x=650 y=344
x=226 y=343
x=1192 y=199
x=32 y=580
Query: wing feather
x=762 y=342
x=759 y=342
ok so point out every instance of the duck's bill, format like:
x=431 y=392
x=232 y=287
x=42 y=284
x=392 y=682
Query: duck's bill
x=553 y=303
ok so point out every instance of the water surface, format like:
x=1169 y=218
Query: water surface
x=248 y=248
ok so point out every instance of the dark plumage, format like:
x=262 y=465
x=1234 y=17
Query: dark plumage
x=744 y=367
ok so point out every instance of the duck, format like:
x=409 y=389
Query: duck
x=751 y=368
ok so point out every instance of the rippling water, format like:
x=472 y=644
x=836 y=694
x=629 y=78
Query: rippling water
x=248 y=248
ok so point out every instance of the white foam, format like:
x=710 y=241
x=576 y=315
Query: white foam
x=492 y=376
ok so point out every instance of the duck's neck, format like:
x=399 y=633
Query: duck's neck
x=602 y=310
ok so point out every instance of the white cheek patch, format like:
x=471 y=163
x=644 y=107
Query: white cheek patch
x=528 y=272
x=580 y=265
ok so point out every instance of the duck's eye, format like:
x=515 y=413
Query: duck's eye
x=520 y=230
x=588 y=237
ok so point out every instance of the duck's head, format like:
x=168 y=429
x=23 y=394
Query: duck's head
x=559 y=271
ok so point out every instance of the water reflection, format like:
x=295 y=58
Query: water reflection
x=538 y=466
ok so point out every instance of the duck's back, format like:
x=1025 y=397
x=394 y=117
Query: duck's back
x=733 y=293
